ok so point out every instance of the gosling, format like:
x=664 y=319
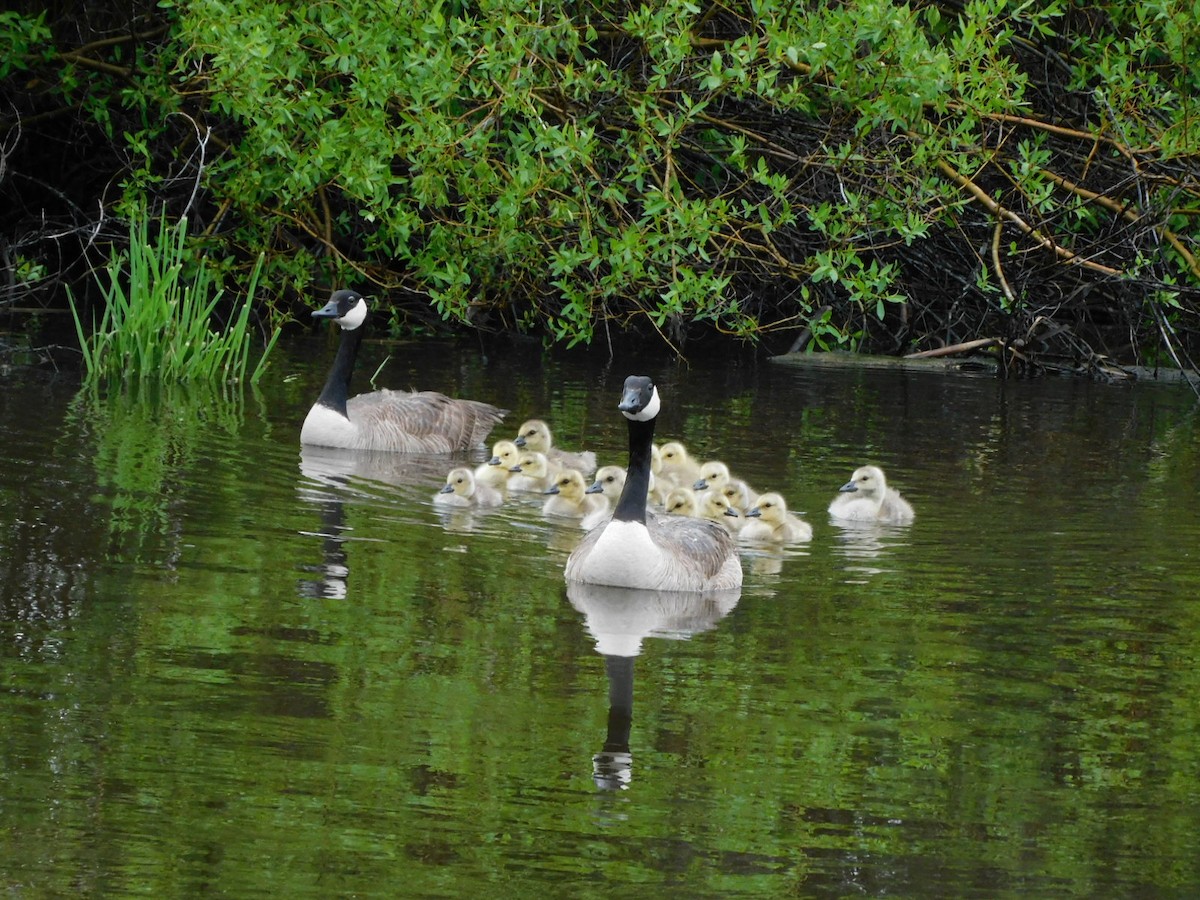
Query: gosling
x=866 y=497
x=769 y=522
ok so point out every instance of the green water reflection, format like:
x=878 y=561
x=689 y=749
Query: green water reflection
x=231 y=667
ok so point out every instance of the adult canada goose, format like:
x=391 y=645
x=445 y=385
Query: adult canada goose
x=866 y=497
x=638 y=549
x=770 y=522
x=678 y=467
x=497 y=470
x=535 y=435
x=531 y=473
x=569 y=498
x=399 y=421
x=461 y=489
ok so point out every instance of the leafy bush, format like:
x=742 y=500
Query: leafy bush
x=904 y=175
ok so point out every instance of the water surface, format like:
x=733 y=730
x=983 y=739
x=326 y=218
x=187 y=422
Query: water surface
x=231 y=667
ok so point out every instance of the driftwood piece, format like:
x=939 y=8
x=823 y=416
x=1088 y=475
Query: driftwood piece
x=972 y=365
x=966 y=346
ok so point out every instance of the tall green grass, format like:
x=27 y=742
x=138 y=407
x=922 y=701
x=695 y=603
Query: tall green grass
x=156 y=322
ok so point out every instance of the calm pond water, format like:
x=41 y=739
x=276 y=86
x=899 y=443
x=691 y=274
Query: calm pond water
x=229 y=667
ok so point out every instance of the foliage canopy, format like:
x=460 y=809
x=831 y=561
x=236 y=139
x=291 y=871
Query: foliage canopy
x=897 y=176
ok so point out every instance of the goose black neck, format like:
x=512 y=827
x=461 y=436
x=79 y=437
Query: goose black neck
x=337 y=385
x=620 y=702
x=631 y=507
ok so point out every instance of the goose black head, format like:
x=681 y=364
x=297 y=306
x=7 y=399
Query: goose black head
x=639 y=401
x=347 y=308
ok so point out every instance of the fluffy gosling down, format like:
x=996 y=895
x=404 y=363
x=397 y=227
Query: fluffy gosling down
x=462 y=489
x=637 y=549
x=866 y=497
x=531 y=473
x=769 y=522
x=678 y=468
x=535 y=435
x=497 y=470
x=610 y=481
x=570 y=497
x=399 y=421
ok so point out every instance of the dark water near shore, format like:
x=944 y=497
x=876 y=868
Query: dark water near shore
x=231 y=667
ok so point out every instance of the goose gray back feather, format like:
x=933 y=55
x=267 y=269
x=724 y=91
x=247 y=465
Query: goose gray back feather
x=420 y=421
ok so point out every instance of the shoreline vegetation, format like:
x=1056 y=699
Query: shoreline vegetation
x=922 y=180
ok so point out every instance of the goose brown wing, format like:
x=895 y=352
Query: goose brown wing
x=423 y=421
x=701 y=542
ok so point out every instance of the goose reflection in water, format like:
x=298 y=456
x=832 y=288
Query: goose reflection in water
x=330 y=478
x=867 y=547
x=619 y=620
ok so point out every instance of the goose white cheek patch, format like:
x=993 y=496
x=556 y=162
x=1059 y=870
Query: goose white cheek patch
x=649 y=412
x=356 y=315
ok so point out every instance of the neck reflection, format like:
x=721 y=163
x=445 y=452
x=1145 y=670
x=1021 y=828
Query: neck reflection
x=619 y=620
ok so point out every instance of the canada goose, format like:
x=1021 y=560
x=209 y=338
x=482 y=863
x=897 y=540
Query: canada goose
x=535 y=435
x=638 y=549
x=497 y=470
x=678 y=467
x=569 y=497
x=400 y=421
x=461 y=489
x=531 y=473
x=866 y=497
x=770 y=522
